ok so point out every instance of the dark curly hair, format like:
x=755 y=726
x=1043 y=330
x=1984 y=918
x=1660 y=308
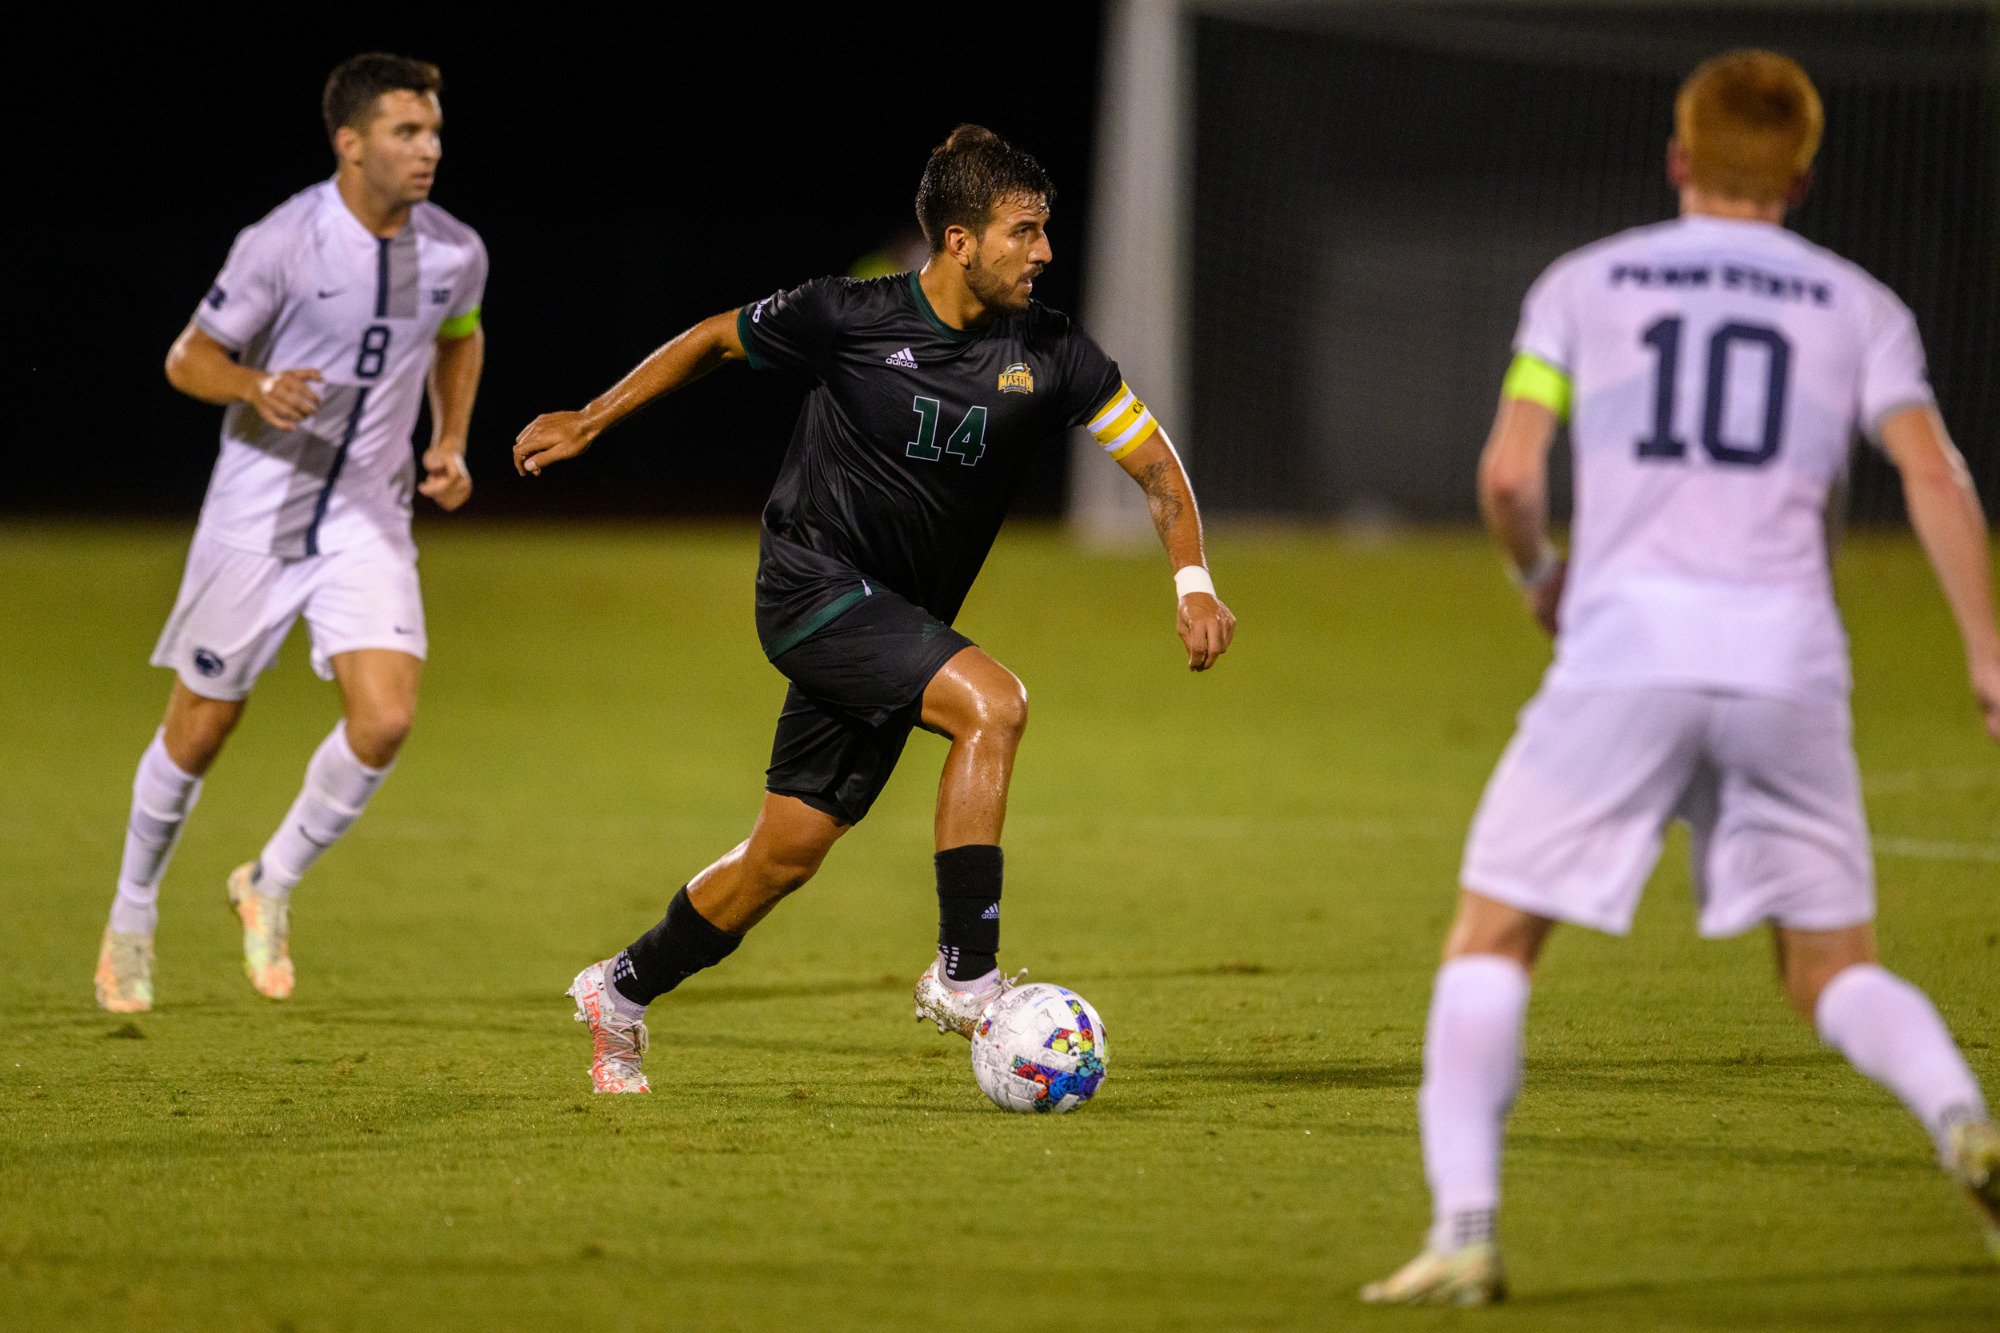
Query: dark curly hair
x=355 y=84
x=968 y=175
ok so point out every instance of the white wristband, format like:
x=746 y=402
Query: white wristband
x=1192 y=578
x=1546 y=566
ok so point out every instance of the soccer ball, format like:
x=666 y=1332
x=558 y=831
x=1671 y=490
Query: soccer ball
x=1039 y=1048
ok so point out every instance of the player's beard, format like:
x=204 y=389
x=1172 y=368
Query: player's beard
x=993 y=291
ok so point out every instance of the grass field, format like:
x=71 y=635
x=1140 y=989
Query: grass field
x=1247 y=872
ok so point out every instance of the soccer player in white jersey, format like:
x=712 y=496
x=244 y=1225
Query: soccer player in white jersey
x=1714 y=369
x=329 y=318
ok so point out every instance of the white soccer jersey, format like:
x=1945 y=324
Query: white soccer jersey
x=1719 y=370
x=310 y=287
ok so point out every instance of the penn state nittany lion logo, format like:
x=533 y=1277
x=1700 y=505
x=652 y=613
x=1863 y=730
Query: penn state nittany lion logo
x=207 y=663
x=1017 y=378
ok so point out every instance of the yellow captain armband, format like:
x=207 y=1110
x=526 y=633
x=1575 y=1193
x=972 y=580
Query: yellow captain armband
x=1122 y=424
x=460 y=326
x=1537 y=381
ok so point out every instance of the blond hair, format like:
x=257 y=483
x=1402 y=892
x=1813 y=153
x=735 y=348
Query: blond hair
x=1749 y=122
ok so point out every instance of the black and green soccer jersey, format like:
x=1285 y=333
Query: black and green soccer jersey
x=909 y=449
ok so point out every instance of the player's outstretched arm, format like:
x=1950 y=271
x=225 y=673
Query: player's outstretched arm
x=1206 y=625
x=559 y=435
x=454 y=383
x=1944 y=509
x=1514 y=497
x=203 y=368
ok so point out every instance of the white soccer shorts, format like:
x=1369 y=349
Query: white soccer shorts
x=1573 y=816
x=235 y=608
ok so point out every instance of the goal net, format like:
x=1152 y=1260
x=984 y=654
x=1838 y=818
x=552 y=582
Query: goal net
x=1375 y=186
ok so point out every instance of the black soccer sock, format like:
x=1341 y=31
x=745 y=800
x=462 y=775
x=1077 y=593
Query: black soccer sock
x=682 y=944
x=968 y=886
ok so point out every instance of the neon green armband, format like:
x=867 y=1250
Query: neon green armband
x=1537 y=381
x=460 y=326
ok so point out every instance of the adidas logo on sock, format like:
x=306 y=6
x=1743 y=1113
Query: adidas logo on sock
x=991 y=914
x=903 y=359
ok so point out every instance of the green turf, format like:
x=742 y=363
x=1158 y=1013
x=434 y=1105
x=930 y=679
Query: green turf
x=1247 y=872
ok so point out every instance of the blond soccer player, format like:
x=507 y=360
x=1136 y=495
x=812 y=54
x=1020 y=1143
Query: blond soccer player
x=1713 y=370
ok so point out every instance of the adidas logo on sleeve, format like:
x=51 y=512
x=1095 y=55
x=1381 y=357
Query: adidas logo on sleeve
x=903 y=359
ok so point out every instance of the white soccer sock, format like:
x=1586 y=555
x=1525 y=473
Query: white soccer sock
x=1890 y=1031
x=980 y=982
x=1472 y=1070
x=162 y=795
x=336 y=790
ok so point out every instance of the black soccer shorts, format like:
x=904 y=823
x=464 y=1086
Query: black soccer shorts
x=857 y=689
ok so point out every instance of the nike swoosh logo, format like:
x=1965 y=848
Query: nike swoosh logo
x=335 y=292
x=311 y=839
x=400 y=630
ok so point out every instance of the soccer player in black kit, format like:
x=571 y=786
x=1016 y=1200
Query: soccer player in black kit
x=934 y=389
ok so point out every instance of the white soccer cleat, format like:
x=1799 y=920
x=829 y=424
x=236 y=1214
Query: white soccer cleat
x=617 y=1044
x=1975 y=1164
x=1469 y=1275
x=267 y=931
x=124 y=977
x=958 y=1010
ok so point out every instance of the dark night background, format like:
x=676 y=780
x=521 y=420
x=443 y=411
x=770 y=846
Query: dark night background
x=628 y=181
x=1374 y=187
x=1359 y=259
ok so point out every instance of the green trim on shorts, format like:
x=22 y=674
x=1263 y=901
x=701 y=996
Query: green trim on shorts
x=816 y=622
x=461 y=326
x=1537 y=381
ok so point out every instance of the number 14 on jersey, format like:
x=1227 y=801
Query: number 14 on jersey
x=967 y=442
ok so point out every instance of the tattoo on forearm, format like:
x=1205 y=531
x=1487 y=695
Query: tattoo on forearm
x=1157 y=481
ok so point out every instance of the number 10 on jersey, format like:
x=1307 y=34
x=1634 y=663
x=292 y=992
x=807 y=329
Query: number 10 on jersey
x=1664 y=337
x=966 y=443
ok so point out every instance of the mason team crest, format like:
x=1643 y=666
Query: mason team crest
x=1017 y=378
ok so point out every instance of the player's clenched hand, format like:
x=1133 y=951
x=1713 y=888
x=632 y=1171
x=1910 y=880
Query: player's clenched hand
x=1545 y=597
x=447 y=480
x=1206 y=627
x=550 y=438
x=1986 y=689
x=286 y=397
